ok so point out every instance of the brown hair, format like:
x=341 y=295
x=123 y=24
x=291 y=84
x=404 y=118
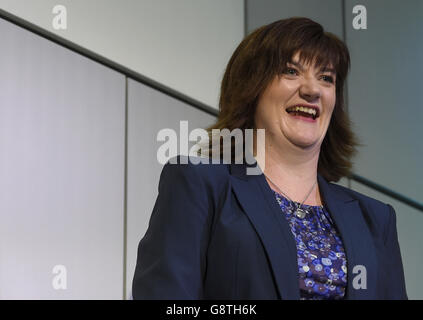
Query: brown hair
x=261 y=56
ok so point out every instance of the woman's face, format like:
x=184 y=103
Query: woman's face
x=298 y=85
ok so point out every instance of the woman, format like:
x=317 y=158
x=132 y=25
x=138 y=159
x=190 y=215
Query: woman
x=217 y=232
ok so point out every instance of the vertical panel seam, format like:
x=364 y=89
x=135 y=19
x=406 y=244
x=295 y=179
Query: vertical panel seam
x=344 y=35
x=125 y=193
x=245 y=18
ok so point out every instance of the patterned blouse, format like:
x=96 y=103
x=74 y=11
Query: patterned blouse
x=322 y=263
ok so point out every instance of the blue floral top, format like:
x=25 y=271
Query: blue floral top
x=322 y=263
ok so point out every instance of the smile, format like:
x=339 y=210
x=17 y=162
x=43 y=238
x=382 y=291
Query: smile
x=304 y=112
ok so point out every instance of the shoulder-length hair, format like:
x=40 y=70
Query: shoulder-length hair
x=260 y=57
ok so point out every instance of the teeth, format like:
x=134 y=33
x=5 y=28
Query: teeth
x=304 y=109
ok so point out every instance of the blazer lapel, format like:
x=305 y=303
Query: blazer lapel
x=258 y=202
x=355 y=234
x=262 y=210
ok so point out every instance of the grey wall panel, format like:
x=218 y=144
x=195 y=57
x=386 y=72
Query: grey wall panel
x=343 y=182
x=409 y=224
x=149 y=111
x=385 y=88
x=328 y=13
x=386 y=107
x=61 y=171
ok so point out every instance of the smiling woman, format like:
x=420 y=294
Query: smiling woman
x=303 y=103
x=217 y=232
x=278 y=60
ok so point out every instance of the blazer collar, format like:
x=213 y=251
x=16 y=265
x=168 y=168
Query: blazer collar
x=261 y=207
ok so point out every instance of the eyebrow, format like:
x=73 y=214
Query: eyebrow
x=323 y=69
x=331 y=70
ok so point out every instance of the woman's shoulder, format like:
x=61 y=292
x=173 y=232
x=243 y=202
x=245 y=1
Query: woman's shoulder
x=373 y=205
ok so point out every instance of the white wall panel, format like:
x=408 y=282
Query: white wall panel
x=149 y=111
x=61 y=171
x=183 y=44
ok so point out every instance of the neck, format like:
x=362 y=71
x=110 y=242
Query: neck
x=293 y=169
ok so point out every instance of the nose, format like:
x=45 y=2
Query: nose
x=309 y=90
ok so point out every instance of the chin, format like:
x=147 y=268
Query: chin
x=305 y=144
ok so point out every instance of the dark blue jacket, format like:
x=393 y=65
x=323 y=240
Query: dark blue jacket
x=217 y=233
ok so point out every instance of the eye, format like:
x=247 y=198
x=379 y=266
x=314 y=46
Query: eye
x=289 y=71
x=328 y=79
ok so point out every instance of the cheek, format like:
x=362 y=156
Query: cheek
x=287 y=88
x=332 y=106
x=330 y=100
x=263 y=113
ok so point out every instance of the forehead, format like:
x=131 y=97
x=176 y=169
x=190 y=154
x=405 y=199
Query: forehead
x=296 y=61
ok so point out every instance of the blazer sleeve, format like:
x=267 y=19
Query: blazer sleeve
x=395 y=273
x=171 y=259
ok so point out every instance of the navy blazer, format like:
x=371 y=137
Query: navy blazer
x=217 y=233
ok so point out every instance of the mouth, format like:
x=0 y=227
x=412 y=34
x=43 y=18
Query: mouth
x=309 y=112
